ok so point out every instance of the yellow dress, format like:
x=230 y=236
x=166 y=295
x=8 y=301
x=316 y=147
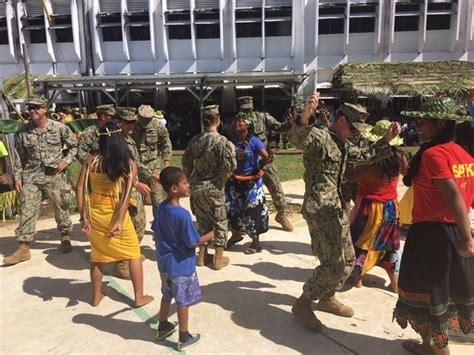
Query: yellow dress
x=104 y=204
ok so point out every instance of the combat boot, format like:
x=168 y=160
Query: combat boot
x=204 y=257
x=283 y=220
x=304 y=314
x=122 y=269
x=220 y=261
x=66 y=246
x=21 y=254
x=329 y=303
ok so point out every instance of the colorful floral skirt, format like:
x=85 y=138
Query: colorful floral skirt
x=376 y=236
x=436 y=284
x=246 y=207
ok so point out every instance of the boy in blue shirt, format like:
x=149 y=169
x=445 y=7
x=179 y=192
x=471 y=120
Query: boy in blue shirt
x=176 y=239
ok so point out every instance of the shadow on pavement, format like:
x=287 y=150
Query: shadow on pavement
x=278 y=272
x=286 y=247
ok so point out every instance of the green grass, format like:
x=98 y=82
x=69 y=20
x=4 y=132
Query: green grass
x=290 y=167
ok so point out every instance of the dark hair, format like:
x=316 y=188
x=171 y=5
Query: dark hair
x=465 y=136
x=170 y=176
x=446 y=135
x=114 y=151
x=209 y=119
x=390 y=167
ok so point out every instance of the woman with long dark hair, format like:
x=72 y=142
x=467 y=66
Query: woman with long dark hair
x=436 y=281
x=375 y=230
x=103 y=193
x=245 y=198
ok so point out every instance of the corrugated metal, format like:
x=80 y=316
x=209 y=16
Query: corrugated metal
x=178 y=4
x=248 y=3
x=3 y=10
x=207 y=4
x=110 y=6
x=137 y=5
x=61 y=7
x=278 y=3
x=34 y=8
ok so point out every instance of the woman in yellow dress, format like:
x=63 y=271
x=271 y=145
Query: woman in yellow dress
x=103 y=197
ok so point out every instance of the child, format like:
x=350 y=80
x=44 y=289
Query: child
x=176 y=240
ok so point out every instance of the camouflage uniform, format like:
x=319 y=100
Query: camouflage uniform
x=39 y=155
x=137 y=206
x=264 y=122
x=153 y=144
x=325 y=157
x=208 y=161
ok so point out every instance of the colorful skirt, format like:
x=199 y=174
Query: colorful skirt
x=436 y=284
x=376 y=236
x=246 y=207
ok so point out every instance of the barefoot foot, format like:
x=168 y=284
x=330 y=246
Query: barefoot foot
x=96 y=300
x=142 y=301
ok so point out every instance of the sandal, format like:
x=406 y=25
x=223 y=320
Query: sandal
x=232 y=241
x=251 y=250
x=414 y=347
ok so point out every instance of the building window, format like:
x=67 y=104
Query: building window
x=138 y=24
x=362 y=18
x=62 y=26
x=179 y=24
x=407 y=17
x=331 y=18
x=439 y=16
x=278 y=21
x=36 y=29
x=248 y=22
x=3 y=31
x=111 y=26
x=207 y=23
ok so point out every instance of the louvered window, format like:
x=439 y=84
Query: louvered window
x=331 y=17
x=109 y=20
x=206 y=19
x=278 y=17
x=248 y=20
x=109 y=6
x=178 y=19
x=362 y=17
x=177 y=4
x=439 y=15
x=33 y=22
x=3 y=25
x=137 y=6
x=407 y=16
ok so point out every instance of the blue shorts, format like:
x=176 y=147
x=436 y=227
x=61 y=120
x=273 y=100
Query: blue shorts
x=184 y=289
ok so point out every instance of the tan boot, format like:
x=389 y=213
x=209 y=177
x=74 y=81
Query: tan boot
x=304 y=314
x=122 y=269
x=66 y=246
x=21 y=254
x=204 y=257
x=220 y=261
x=329 y=303
x=283 y=220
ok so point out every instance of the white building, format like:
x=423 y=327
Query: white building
x=234 y=37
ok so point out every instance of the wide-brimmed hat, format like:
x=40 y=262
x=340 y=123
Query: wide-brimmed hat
x=38 y=100
x=146 y=111
x=213 y=109
x=245 y=102
x=379 y=130
x=105 y=110
x=247 y=117
x=126 y=114
x=159 y=114
x=438 y=107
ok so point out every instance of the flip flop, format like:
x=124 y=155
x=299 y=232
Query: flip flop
x=251 y=250
x=414 y=347
x=231 y=242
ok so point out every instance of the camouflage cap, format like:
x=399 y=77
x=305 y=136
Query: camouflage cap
x=245 y=102
x=38 y=100
x=106 y=110
x=146 y=111
x=354 y=113
x=159 y=114
x=76 y=109
x=213 y=109
x=126 y=114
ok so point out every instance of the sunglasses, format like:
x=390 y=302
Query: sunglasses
x=33 y=107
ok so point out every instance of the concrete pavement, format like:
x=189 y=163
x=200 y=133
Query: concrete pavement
x=246 y=307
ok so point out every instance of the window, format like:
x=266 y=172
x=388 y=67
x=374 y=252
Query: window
x=278 y=21
x=110 y=23
x=138 y=24
x=407 y=17
x=248 y=22
x=439 y=16
x=331 y=18
x=3 y=31
x=36 y=29
x=362 y=18
x=179 y=24
x=207 y=23
x=62 y=26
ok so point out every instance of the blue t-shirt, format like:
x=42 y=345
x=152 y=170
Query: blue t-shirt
x=251 y=164
x=175 y=236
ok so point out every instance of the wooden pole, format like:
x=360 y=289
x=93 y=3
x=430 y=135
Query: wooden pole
x=26 y=63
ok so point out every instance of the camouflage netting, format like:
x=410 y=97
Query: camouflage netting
x=15 y=86
x=454 y=78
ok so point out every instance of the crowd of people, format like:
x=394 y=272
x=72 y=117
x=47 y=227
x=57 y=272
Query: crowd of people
x=126 y=157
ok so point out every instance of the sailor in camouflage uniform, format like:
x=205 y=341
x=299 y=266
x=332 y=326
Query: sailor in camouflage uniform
x=265 y=122
x=40 y=166
x=208 y=161
x=325 y=155
x=89 y=139
x=153 y=144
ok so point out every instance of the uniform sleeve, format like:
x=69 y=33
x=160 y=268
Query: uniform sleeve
x=164 y=142
x=187 y=160
x=189 y=234
x=227 y=156
x=84 y=147
x=69 y=139
x=436 y=166
x=374 y=152
x=274 y=125
x=19 y=157
x=303 y=137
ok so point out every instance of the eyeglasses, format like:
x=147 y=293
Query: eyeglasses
x=33 y=107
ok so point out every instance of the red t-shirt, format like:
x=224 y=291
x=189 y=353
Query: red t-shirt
x=445 y=161
x=379 y=190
